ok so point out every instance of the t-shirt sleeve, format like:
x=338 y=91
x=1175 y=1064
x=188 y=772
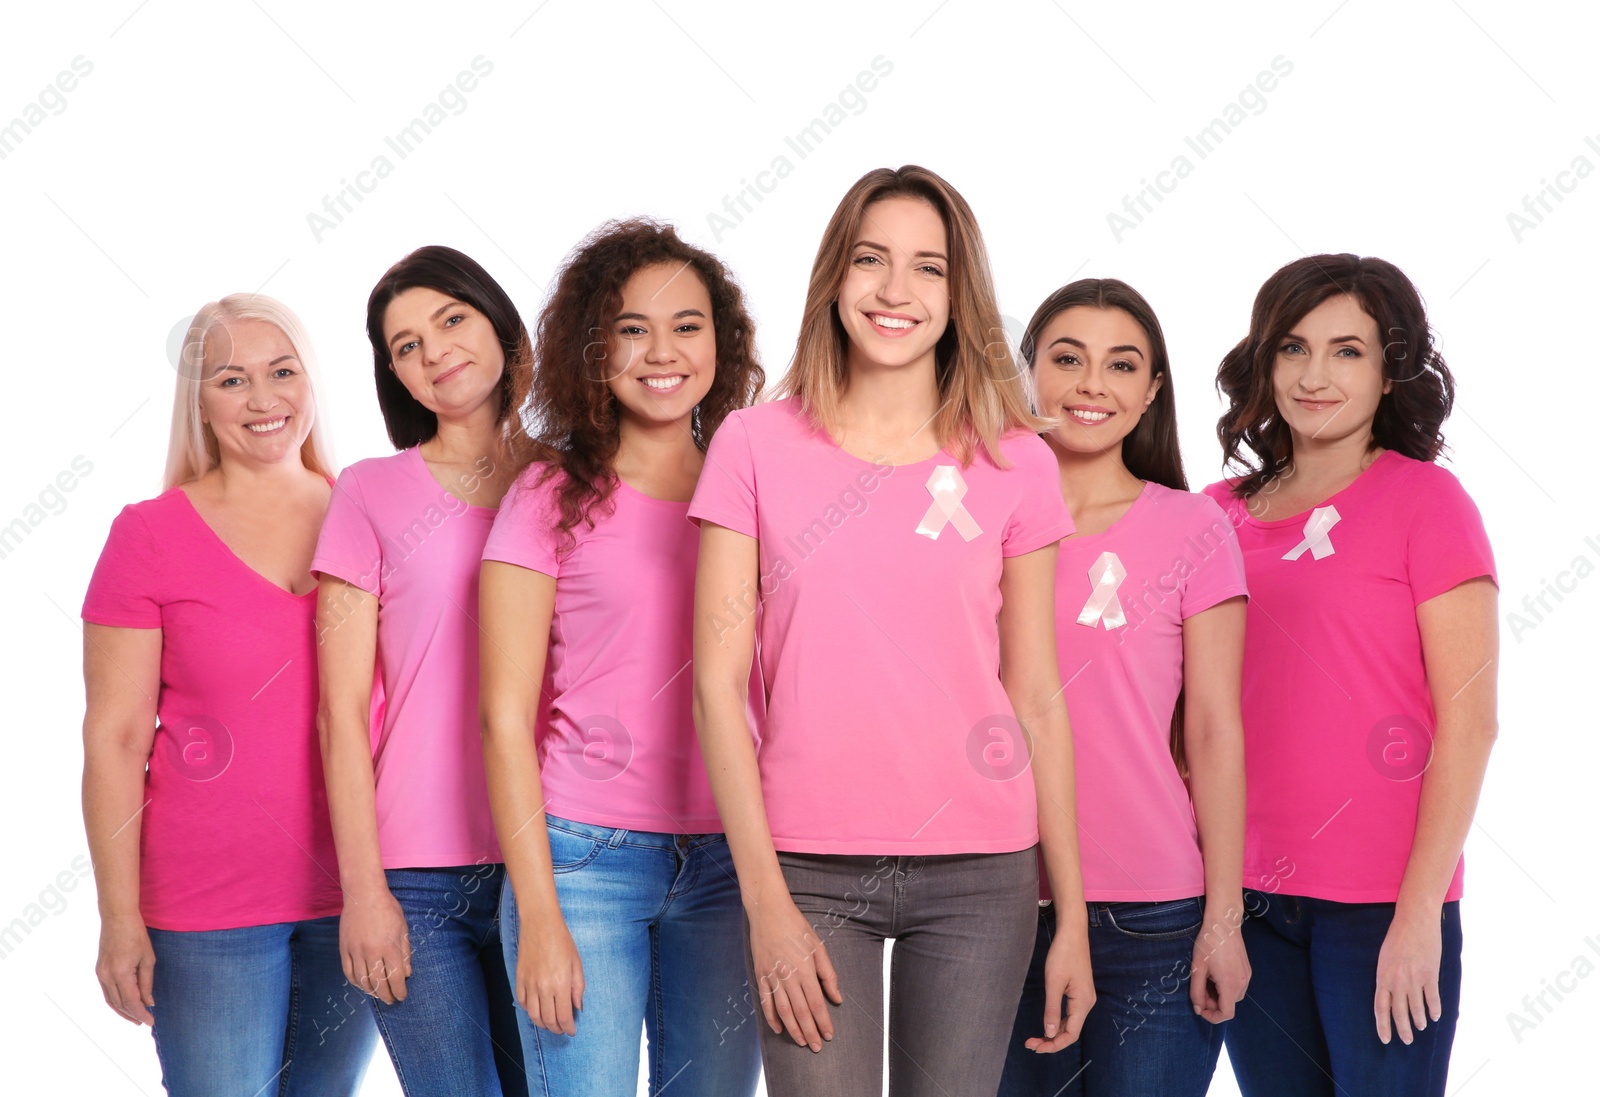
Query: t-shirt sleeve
x=1219 y=573
x=125 y=590
x=526 y=530
x=1041 y=517
x=726 y=493
x=348 y=547
x=1446 y=543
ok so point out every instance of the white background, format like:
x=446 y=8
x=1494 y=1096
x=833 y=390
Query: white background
x=185 y=165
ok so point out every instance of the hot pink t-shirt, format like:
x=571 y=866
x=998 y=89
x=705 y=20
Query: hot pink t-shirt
x=1338 y=717
x=617 y=739
x=393 y=531
x=235 y=832
x=887 y=730
x=1122 y=596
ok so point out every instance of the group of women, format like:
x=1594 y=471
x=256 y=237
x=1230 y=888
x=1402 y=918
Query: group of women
x=616 y=699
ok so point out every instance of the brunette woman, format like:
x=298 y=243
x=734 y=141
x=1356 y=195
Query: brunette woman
x=1369 y=682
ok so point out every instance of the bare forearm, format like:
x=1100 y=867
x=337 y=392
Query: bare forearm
x=1055 y=785
x=352 y=799
x=113 y=806
x=730 y=758
x=516 y=800
x=1449 y=799
x=1216 y=784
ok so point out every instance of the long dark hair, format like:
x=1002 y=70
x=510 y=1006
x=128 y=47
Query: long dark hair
x=459 y=276
x=577 y=428
x=1150 y=451
x=1254 y=437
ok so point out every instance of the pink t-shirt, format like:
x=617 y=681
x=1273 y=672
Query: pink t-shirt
x=1120 y=643
x=393 y=531
x=617 y=739
x=1338 y=718
x=235 y=832
x=887 y=730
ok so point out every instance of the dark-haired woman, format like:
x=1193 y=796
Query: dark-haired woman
x=1369 y=682
x=398 y=558
x=1149 y=608
x=623 y=912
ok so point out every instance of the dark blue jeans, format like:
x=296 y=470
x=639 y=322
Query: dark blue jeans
x=455 y=1035
x=1306 y=1027
x=1142 y=1036
x=261 y=1011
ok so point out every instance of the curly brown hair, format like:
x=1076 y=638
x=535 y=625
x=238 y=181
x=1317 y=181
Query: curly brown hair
x=1253 y=434
x=573 y=415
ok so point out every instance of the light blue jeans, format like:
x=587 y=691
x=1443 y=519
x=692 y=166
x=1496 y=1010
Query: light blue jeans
x=262 y=1011
x=659 y=929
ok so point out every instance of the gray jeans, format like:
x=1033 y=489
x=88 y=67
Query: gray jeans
x=963 y=927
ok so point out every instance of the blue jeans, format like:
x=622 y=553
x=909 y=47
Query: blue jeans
x=456 y=1031
x=257 y=1011
x=1142 y=1036
x=1306 y=1026
x=658 y=925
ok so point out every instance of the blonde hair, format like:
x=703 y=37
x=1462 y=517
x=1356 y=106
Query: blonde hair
x=981 y=390
x=192 y=446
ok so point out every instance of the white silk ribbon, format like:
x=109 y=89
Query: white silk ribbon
x=1322 y=520
x=1103 y=607
x=948 y=488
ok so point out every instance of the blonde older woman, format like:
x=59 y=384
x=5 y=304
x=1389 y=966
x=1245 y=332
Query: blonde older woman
x=202 y=788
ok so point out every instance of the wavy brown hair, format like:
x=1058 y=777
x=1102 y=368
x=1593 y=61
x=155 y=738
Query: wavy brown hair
x=980 y=388
x=1254 y=437
x=1150 y=450
x=572 y=413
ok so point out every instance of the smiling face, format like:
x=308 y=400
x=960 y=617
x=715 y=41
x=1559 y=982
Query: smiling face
x=1092 y=370
x=661 y=347
x=1327 y=375
x=444 y=351
x=255 y=396
x=895 y=299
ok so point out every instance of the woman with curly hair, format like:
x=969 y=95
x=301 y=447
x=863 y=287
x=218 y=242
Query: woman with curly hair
x=623 y=911
x=1369 y=682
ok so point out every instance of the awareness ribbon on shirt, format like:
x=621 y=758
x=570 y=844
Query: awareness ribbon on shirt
x=1322 y=520
x=1103 y=607
x=948 y=488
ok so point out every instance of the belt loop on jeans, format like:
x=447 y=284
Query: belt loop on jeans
x=616 y=838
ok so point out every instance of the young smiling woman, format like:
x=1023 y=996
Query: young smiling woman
x=1150 y=623
x=915 y=753
x=202 y=788
x=623 y=910
x=398 y=560
x=1369 y=682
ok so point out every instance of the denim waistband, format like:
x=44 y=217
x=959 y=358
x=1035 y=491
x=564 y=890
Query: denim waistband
x=621 y=836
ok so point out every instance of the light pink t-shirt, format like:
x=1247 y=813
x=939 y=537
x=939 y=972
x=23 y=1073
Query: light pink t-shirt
x=887 y=730
x=1338 y=718
x=1120 y=643
x=235 y=832
x=393 y=531
x=617 y=740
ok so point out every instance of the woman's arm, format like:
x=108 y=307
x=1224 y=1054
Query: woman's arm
x=790 y=959
x=515 y=606
x=1032 y=680
x=121 y=676
x=1460 y=646
x=1213 y=742
x=374 y=945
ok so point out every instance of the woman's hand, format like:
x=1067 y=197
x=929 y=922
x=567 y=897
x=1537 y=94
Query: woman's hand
x=1408 y=976
x=1066 y=972
x=126 y=968
x=549 y=974
x=794 y=973
x=1220 y=971
x=375 y=945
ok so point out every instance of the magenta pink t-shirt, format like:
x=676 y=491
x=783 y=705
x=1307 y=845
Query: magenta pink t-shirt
x=1338 y=717
x=235 y=832
x=887 y=730
x=1120 y=643
x=617 y=739
x=393 y=531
